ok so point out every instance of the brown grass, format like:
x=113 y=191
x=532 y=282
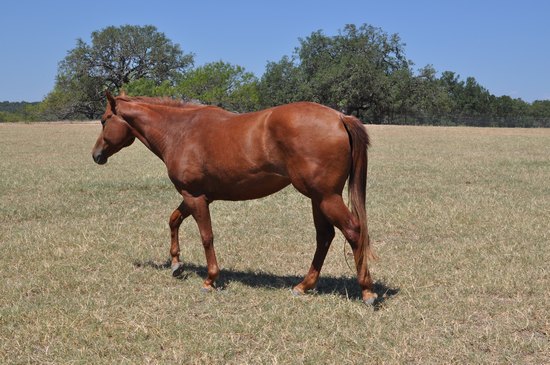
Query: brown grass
x=459 y=218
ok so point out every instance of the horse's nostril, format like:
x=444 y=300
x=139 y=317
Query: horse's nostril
x=99 y=158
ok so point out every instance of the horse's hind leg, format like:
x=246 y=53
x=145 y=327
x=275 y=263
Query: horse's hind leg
x=176 y=218
x=334 y=208
x=324 y=235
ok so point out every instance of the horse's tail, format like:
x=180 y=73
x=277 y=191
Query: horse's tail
x=357 y=184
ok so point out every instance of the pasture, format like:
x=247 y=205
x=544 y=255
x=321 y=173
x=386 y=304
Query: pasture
x=459 y=218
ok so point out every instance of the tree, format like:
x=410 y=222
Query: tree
x=148 y=87
x=353 y=70
x=475 y=99
x=428 y=101
x=281 y=83
x=220 y=83
x=120 y=55
x=540 y=109
x=217 y=83
x=471 y=103
x=116 y=56
x=74 y=98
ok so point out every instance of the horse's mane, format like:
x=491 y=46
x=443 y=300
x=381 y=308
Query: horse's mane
x=166 y=101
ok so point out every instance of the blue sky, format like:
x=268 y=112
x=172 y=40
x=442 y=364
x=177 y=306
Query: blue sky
x=504 y=44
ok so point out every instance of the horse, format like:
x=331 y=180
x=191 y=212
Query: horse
x=214 y=154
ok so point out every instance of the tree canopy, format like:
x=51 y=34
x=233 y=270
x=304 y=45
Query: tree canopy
x=356 y=71
x=362 y=70
x=216 y=83
x=115 y=57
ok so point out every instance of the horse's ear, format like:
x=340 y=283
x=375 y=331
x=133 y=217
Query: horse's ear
x=111 y=99
x=122 y=92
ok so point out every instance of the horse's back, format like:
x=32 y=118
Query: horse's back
x=272 y=136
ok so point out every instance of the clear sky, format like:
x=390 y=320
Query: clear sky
x=504 y=44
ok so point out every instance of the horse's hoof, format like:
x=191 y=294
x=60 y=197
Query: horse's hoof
x=296 y=293
x=177 y=269
x=371 y=301
x=207 y=289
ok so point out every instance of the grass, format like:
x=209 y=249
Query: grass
x=459 y=218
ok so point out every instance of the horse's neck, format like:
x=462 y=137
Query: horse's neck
x=154 y=129
x=148 y=130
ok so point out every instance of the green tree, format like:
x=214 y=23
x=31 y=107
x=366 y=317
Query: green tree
x=425 y=100
x=353 y=70
x=475 y=99
x=281 y=83
x=220 y=83
x=452 y=86
x=18 y=111
x=115 y=57
x=74 y=98
x=508 y=112
x=540 y=109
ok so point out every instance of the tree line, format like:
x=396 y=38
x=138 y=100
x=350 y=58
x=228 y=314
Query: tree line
x=361 y=71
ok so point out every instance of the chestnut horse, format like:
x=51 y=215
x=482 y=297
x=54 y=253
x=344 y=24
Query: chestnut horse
x=213 y=154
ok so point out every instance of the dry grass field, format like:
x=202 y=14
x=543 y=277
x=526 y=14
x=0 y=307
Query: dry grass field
x=460 y=218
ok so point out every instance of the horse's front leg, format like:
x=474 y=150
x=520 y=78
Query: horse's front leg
x=176 y=218
x=198 y=206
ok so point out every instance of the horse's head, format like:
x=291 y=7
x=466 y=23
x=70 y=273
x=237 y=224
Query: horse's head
x=115 y=134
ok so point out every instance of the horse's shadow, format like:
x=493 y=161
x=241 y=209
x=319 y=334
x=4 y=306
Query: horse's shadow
x=343 y=286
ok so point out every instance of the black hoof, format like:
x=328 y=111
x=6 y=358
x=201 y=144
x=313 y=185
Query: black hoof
x=177 y=269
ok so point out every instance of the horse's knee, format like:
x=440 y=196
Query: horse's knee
x=352 y=232
x=338 y=214
x=207 y=240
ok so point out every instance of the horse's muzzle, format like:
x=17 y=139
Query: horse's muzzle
x=99 y=158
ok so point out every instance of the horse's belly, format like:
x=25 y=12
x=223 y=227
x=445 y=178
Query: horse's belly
x=252 y=187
